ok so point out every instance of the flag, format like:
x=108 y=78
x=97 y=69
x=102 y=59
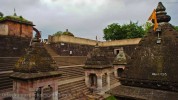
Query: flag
x=153 y=17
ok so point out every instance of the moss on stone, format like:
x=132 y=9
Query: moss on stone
x=19 y=19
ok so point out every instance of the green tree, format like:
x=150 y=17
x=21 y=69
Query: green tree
x=114 y=32
x=176 y=28
x=58 y=33
x=1 y=14
x=126 y=31
x=147 y=26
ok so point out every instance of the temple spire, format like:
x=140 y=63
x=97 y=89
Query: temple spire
x=15 y=12
x=97 y=41
x=162 y=14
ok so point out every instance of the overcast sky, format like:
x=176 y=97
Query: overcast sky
x=85 y=18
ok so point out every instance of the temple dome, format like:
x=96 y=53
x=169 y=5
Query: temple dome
x=97 y=58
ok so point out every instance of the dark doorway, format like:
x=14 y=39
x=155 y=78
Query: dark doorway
x=119 y=72
x=117 y=51
x=47 y=93
x=93 y=79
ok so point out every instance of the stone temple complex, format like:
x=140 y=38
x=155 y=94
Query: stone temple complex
x=66 y=67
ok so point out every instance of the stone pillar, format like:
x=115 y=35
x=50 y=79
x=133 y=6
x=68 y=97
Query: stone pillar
x=115 y=70
x=55 y=91
x=87 y=79
x=99 y=83
x=108 y=80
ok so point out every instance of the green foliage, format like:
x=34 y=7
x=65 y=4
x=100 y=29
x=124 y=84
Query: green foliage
x=63 y=33
x=126 y=31
x=68 y=33
x=58 y=33
x=111 y=98
x=176 y=28
x=1 y=14
x=15 y=18
x=147 y=26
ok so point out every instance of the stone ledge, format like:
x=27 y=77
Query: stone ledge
x=97 y=67
x=30 y=76
x=143 y=93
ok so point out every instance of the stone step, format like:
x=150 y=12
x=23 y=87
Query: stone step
x=73 y=90
x=6 y=85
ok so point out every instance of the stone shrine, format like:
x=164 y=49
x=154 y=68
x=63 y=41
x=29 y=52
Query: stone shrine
x=97 y=70
x=151 y=72
x=35 y=76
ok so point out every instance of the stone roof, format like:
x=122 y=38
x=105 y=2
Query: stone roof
x=142 y=93
x=97 y=59
x=18 y=19
x=29 y=76
x=154 y=64
x=36 y=59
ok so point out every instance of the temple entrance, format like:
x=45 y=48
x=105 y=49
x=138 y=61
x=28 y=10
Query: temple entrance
x=119 y=72
x=93 y=80
x=47 y=93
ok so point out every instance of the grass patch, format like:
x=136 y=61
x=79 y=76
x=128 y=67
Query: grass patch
x=111 y=98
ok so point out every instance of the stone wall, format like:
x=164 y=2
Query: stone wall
x=71 y=49
x=11 y=46
x=16 y=29
x=74 y=46
x=71 y=39
x=77 y=40
x=123 y=42
x=3 y=29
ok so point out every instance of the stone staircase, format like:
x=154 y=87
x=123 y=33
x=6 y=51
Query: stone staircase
x=50 y=50
x=7 y=63
x=65 y=60
x=71 y=83
x=73 y=91
x=5 y=83
x=6 y=66
x=71 y=72
x=70 y=60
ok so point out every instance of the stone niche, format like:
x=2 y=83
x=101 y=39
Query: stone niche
x=35 y=86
